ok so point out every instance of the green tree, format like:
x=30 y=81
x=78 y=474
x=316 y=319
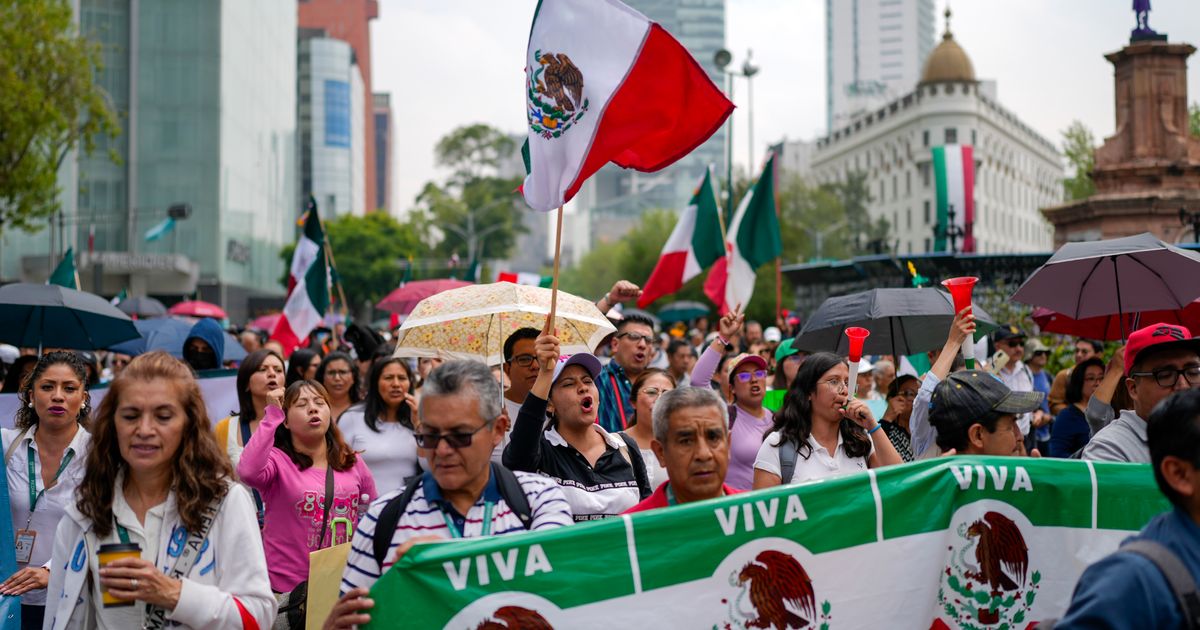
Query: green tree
x=1194 y=119
x=367 y=251
x=475 y=206
x=49 y=104
x=1079 y=145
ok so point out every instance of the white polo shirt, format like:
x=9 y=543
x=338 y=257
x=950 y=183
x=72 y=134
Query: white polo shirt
x=819 y=464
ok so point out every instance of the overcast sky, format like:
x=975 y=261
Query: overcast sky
x=453 y=63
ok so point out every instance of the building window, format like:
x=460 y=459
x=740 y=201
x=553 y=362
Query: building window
x=926 y=245
x=972 y=137
x=951 y=135
x=908 y=183
x=925 y=137
x=926 y=213
x=925 y=174
x=908 y=218
x=881 y=198
x=337 y=113
x=895 y=194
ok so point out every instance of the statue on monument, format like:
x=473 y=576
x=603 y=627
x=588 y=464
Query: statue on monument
x=1141 y=9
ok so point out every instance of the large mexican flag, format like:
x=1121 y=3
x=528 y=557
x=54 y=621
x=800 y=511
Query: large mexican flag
x=956 y=542
x=694 y=244
x=308 y=286
x=954 y=171
x=605 y=84
x=752 y=241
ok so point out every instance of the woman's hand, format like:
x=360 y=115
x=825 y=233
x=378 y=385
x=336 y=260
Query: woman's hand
x=858 y=412
x=731 y=323
x=895 y=407
x=963 y=326
x=136 y=579
x=25 y=580
x=275 y=397
x=546 y=348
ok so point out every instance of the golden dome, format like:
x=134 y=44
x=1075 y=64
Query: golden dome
x=948 y=62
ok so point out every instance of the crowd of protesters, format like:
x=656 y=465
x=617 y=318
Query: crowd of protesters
x=341 y=442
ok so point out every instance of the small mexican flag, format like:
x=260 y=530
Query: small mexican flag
x=752 y=241
x=64 y=274
x=693 y=246
x=308 y=293
x=954 y=168
x=605 y=84
x=531 y=279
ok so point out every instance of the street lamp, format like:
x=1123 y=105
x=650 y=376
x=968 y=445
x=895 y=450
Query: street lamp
x=722 y=59
x=819 y=236
x=951 y=231
x=1193 y=219
x=471 y=235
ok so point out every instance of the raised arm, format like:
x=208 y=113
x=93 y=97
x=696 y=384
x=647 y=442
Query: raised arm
x=728 y=326
x=923 y=435
x=524 y=450
x=256 y=467
x=1099 y=408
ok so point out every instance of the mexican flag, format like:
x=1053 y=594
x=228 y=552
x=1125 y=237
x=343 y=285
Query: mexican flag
x=752 y=241
x=694 y=244
x=531 y=279
x=954 y=170
x=605 y=84
x=64 y=274
x=308 y=292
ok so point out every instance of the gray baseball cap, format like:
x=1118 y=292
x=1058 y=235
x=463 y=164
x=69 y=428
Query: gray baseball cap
x=968 y=395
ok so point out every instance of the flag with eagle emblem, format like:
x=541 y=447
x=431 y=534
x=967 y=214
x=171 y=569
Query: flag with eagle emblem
x=605 y=84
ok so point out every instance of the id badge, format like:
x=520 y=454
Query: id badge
x=25 y=540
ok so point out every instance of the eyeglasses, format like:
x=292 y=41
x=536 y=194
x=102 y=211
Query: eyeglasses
x=453 y=440
x=636 y=337
x=1167 y=377
x=337 y=373
x=837 y=384
x=906 y=394
x=653 y=392
x=523 y=360
x=746 y=376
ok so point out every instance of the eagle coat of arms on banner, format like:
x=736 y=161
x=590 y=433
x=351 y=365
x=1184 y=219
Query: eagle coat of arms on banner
x=555 y=94
x=988 y=583
x=780 y=595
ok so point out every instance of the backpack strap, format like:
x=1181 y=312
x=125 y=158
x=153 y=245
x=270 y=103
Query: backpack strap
x=732 y=415
x=13 y=446
x=389 y=517
x=513 y=494
x=787 y=460
x=1177 y=575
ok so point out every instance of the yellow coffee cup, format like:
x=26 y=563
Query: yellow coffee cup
x=112 y=552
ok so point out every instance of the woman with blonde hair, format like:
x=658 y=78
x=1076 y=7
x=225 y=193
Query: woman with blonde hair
x=157 y=481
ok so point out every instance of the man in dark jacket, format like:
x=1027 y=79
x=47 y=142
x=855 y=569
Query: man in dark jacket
x=204 y=347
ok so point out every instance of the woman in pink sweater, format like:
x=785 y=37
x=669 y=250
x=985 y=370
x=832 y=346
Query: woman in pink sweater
x=290 y=461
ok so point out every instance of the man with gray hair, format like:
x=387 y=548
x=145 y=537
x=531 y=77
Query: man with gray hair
x=691 y=440
x=464 y=495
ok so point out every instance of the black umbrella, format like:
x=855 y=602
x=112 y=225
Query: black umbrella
x=142 y=306
x=901 y=321
x=1113 y=277
x=50 y=316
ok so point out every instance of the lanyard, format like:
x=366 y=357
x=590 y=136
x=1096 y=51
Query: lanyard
x=34 y=495
x=122 y=533
x=671 y=496
x=487 y=522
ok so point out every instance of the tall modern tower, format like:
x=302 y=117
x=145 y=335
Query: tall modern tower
x=874 y=52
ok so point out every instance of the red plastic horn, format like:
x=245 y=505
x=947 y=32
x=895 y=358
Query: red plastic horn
x=960 y=289
x=857 y=337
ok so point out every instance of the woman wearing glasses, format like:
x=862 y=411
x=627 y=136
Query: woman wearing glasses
x=381 y=427
x=340 y=378
x=830 y=432
x=900 y=395
x=647 y=387
x=747 y=381
x=313 y=484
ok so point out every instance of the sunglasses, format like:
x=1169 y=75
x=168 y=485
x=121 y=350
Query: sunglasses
x=461 y=439
x=746 y=376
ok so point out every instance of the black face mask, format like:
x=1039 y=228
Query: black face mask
x=201 y=359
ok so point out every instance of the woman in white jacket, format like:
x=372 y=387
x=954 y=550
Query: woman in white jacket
x=157 y=478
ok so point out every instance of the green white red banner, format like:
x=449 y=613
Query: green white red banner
x=961 y=542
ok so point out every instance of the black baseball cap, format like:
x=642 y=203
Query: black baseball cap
x=968 y=395
x=1008 y=332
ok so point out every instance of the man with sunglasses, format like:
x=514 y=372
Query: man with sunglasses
x=1160 y=359
x=632 y=349
x=1017 y=377
x=464 y=495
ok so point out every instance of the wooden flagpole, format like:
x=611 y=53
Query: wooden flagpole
x=554 y=281
x=779 y=258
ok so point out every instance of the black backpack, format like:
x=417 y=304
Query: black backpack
x=389 y=517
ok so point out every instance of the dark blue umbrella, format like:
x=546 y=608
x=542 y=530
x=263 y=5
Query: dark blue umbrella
x=50 y=316
x=168 y=334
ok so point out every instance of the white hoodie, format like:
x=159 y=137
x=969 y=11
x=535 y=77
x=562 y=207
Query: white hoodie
x=231 y=564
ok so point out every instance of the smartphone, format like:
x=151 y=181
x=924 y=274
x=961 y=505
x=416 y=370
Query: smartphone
x=999 y=360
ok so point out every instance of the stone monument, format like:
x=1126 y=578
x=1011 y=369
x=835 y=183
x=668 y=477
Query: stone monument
x=1147 y=173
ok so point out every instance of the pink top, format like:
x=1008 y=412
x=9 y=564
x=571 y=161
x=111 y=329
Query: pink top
x=293 y=500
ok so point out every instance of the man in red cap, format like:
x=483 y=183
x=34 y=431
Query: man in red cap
x=1159 y=359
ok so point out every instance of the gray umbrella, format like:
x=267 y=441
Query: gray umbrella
x=50 y=316
x=142 y=306
x=1114 y=277
x=901 y=321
